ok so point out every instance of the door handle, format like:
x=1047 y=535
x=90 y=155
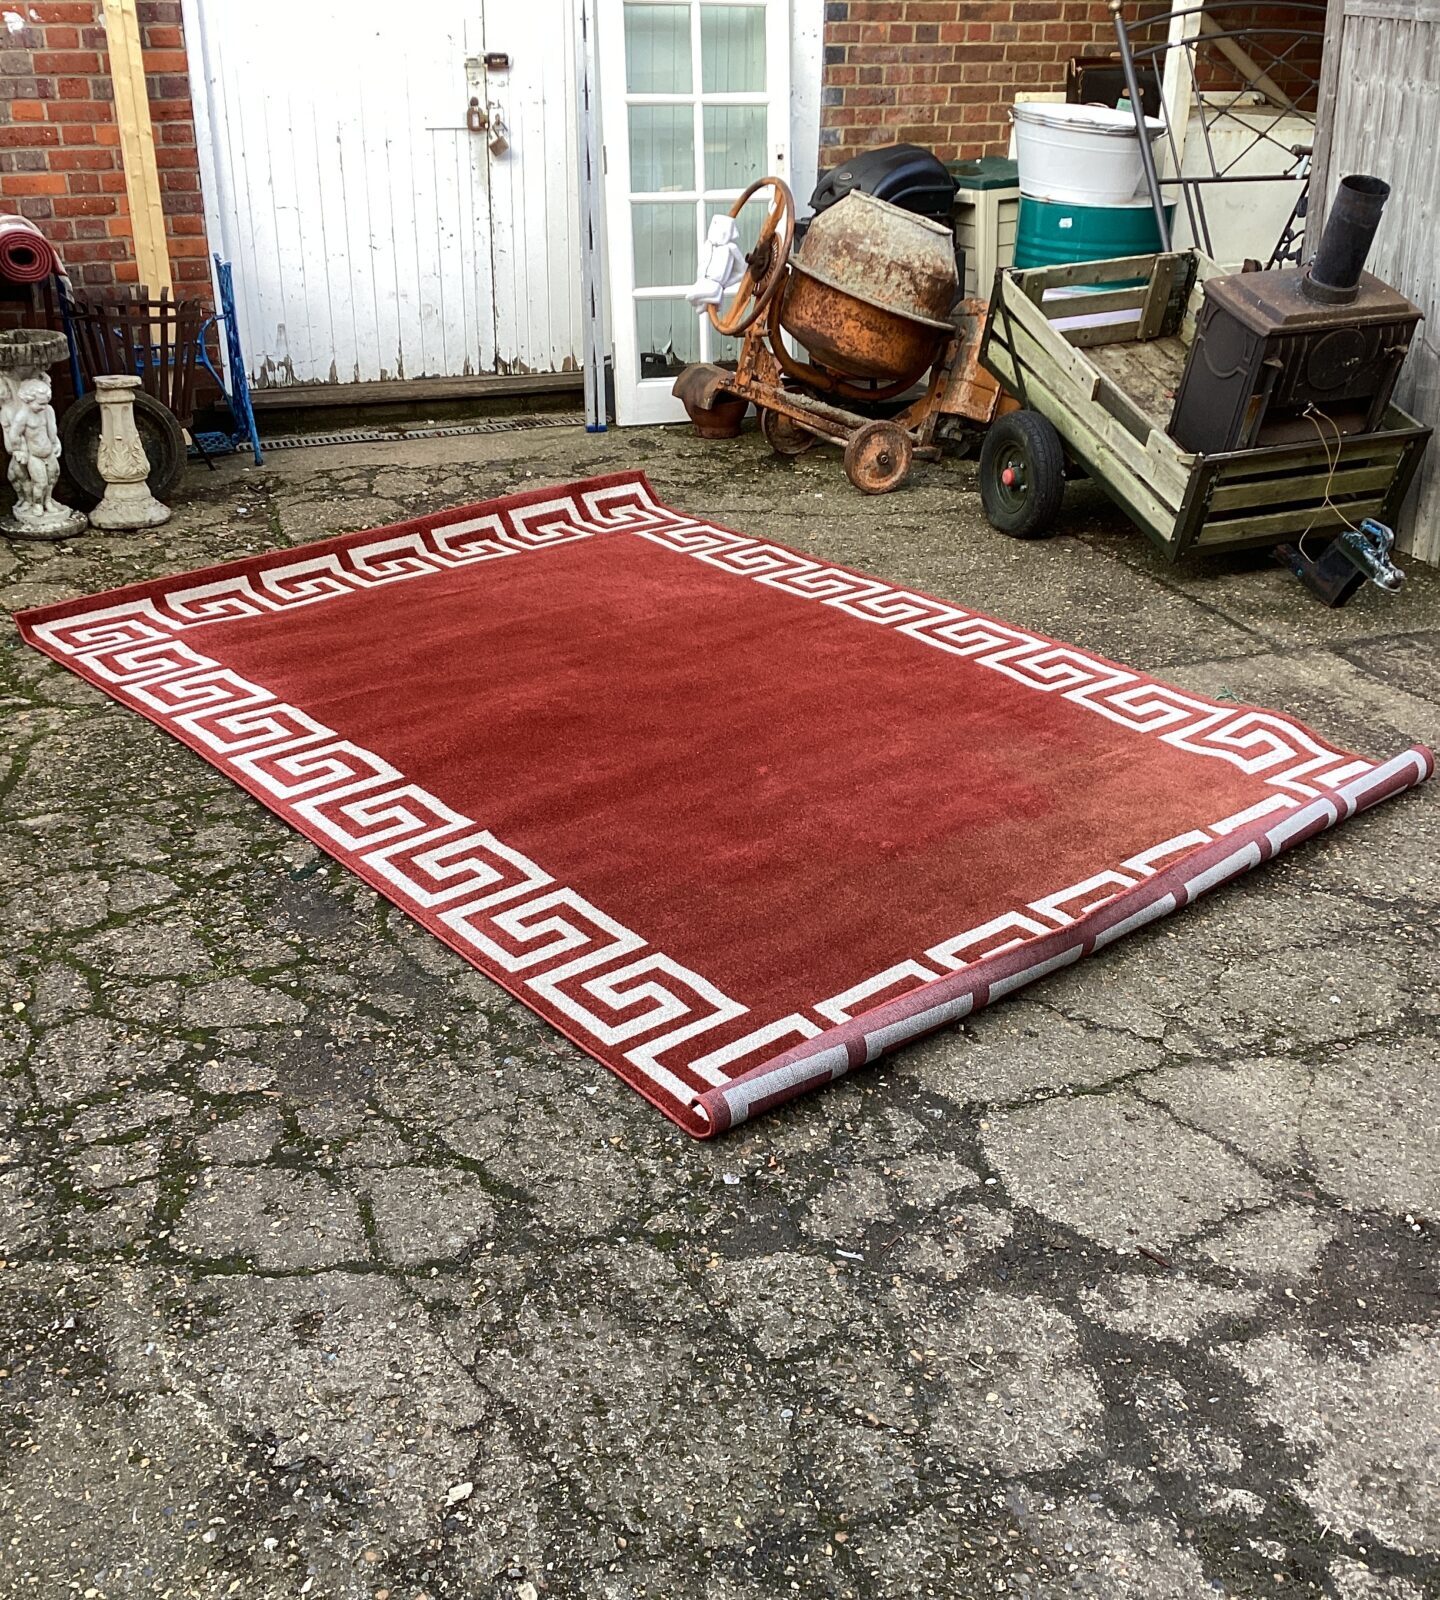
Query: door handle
x=475 y=118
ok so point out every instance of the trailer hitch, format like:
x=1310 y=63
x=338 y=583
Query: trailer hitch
x=1352 y=557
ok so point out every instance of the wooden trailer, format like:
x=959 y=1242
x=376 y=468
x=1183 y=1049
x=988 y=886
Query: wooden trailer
x=1095 y=370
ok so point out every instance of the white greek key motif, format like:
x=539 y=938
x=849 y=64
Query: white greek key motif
x=211 y=688
x=304 y=582
x=548 y=522
x=1144 y=707
x=826 y=583
x=542 y=931
x=755 y=1047
x=469 y=864
x=1069 y=905
x=404 y=555
x=629 y=506
x=107 y=627
x=314 y=767
x=223 y=600
x=267 y=726
x=764 y=561
x=898 y=608
x=143 y=662
x=645 y=994
x=695 y=538
x=471 y=539
x=368 y=819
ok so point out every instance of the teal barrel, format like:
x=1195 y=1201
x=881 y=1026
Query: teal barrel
x=1052 y=232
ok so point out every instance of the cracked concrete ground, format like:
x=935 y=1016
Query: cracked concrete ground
x=1126 y=1288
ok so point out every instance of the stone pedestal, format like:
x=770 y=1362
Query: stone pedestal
x=27 y=423
x=123 y=463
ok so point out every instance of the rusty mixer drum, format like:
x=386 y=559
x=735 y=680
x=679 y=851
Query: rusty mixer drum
x=870 y=292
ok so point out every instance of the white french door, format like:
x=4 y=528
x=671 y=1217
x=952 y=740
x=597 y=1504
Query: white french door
x=695 y=105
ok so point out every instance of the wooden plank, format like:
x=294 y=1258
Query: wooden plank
x=1157 y=297
x=1265 y=462
x=1021 y=309
x=534 y=190
x=1178 y=89
x=1309 y=486
x=1082 y=272
x=1236 y=533
x=1093 y=305
x=1110 y=333
x=137 y=143
x=1391 y=10
x=1120 y=406
x=1167 y=458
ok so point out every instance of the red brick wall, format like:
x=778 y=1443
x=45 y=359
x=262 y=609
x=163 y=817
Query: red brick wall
x=60 y=149
x=944 y=73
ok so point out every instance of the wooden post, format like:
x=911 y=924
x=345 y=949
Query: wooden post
x=137 y=144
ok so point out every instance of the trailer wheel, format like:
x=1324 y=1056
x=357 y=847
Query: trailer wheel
x=1022 y=475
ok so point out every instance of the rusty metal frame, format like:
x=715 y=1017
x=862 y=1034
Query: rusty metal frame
x=956 y=387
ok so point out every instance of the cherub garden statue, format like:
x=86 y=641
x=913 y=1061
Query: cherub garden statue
x=27 y=425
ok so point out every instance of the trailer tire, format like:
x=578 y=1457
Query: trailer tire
x=1022 y=475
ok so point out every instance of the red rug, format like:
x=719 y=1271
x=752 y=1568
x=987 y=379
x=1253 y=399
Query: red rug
x=733 y=819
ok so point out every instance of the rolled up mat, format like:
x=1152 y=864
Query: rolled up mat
x=26 y=255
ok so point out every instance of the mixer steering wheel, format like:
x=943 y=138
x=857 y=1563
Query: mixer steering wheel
x=765 y=265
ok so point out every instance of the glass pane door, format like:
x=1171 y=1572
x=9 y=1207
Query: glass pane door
x=695 y=97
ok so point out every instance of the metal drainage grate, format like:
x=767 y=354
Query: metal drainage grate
x=398 y=433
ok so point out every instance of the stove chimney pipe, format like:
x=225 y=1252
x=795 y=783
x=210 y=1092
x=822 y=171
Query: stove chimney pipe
x=1333 y=276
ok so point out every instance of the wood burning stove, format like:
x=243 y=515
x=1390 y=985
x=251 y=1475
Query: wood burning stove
x=1278 y=355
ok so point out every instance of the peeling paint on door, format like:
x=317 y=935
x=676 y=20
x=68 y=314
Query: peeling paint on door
x=362 y=215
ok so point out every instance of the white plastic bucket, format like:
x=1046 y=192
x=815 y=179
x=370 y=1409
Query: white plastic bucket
x=1086 y=155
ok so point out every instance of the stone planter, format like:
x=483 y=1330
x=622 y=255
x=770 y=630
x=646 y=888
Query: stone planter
x=27 y=423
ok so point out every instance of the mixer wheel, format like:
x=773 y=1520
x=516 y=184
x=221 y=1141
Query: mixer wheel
x=783 y=434
x=878 y=457
x=1022 y=475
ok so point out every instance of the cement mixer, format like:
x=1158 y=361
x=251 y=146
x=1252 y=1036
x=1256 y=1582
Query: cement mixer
x=869 y=296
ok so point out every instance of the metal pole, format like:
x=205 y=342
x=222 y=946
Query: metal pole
x=592 y=251
x=1137 y=107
